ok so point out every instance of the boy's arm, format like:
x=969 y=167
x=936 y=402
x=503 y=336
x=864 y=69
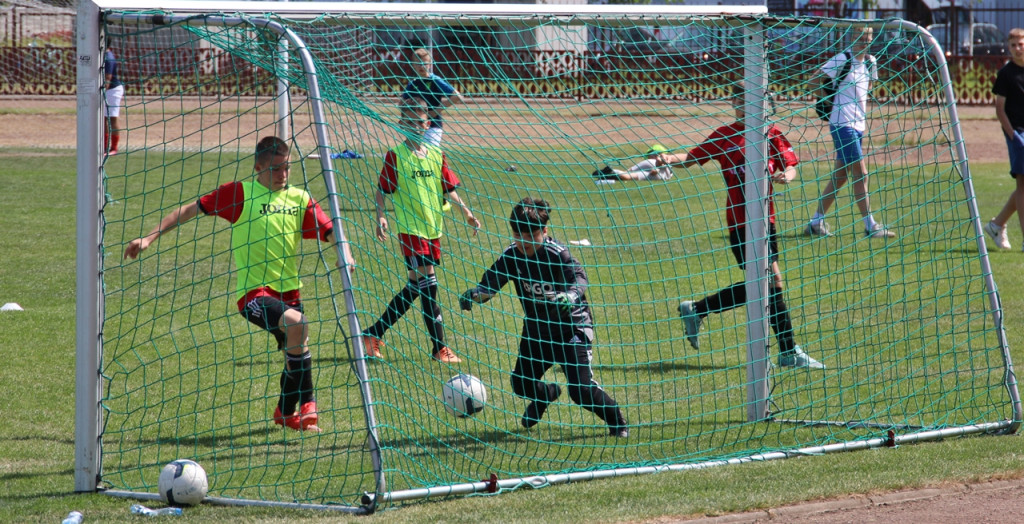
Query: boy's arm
x=168 y=223
x=382 y=221
x=346 y=251
x=1004 y=121
x=470 y=219
x=676 y=159
x=493 y=280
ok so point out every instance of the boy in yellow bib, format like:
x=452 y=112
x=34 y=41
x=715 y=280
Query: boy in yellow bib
x=418 y=178
x=268 y=217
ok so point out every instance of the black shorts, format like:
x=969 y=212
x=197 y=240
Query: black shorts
x=573 y=356
x=266 y=312
x=738 y=247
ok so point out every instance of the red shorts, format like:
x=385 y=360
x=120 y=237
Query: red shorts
x=419 y=251
x=290 y=298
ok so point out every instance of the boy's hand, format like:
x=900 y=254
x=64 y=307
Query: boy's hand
x=382 y=229
x=564 y=301
x=1018 y=138
x=467 y=299
x=473 y=221
x=135 y=247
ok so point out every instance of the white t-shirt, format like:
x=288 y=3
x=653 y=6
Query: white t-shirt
x=645 y=167
x=849 y=107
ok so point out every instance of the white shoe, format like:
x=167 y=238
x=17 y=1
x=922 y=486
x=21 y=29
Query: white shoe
x=799 y=359
x=819 y=229
x=691 y=322
x=879 y=231
x=998 y=235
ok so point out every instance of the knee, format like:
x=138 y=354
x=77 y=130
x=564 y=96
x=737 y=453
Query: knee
x=580 y=394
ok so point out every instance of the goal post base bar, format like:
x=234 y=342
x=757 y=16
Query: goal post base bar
x=486 y=486
x=226 y=501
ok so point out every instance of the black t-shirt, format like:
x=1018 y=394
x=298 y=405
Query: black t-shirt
x=1010 y=84
x=551 y=270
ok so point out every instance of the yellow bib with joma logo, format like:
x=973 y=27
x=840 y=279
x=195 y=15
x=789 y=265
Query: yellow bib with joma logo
x=419 y=197
x=265 y=238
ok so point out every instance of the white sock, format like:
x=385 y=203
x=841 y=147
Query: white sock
x=869 y=222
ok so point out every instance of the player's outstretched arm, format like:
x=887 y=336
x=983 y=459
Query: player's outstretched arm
x=785 y=176
x=473 y=296
x=169 y=222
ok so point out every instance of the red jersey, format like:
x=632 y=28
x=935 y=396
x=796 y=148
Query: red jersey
x=725 y=145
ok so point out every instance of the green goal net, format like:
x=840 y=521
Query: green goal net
x=564 y=104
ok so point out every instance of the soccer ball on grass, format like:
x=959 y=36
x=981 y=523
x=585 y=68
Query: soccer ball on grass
x=464 y=395
x=183 y=483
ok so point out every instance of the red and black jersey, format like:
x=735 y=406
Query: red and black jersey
x=725 y=145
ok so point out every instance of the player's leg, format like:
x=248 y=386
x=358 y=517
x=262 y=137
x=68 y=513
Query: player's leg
x=289 y=327
x=374 y=335
x=112 y=130
x=694 y=313
x=1018 y=194
x=839 y=176
x=1017 y=172
x=530 y=366
x=576 y=356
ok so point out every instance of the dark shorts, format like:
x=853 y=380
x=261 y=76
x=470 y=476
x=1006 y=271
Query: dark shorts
x=1015 y=146
x=419 y=251
x=738 y=247
x=266 y=312
x=573 y=356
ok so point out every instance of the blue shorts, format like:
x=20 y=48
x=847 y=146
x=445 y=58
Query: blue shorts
x=1015 y=145
x=847 y=141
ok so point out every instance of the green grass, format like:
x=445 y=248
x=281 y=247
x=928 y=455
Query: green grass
x=36 y=446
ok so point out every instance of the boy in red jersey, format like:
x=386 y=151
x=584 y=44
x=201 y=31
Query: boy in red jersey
x=725 y=145
x=417 y=176
x=268 y=218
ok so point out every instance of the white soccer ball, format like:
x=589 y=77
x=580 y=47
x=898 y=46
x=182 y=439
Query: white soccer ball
x=464 y=395
x=183 y=483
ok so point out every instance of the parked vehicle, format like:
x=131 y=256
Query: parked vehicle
x=971 y=39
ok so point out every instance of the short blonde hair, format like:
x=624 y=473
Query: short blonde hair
x=423 y=55
x=1016 y=33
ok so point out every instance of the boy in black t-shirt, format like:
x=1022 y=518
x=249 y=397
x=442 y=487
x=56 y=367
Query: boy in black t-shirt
x=1009 y=91
x=558 y=326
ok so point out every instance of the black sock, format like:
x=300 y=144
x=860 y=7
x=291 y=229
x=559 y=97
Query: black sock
x=306 y=393
x=726 y=299
x=396 y=308
x=432 y=311
x=780 y=320
x=291 y=383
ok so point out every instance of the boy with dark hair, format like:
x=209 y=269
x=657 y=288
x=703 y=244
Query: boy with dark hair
x=268 y=218
x=725 y=145
x=558 y=328
x=418 y=178
x=1009 y=91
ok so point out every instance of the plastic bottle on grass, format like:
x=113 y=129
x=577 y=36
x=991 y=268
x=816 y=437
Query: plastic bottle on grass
x=139 y=509
x=75 y=517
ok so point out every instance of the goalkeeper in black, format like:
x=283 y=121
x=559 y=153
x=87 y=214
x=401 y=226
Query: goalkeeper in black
x=558 y=328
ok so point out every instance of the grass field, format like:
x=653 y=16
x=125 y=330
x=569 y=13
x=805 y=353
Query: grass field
x=36 y=454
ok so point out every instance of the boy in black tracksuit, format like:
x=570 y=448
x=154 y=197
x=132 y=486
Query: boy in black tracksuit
x=558 y=328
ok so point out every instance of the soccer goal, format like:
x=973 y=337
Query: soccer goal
x=560 y=102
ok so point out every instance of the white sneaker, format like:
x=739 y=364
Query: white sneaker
x=879 y=231
x=998 y=235
x=799 y=359
x=691 y=322
x=819 y=229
